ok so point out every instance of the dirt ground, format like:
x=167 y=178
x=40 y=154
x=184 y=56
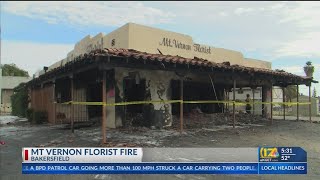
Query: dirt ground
x=17 y=133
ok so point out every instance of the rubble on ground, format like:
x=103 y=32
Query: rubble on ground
x=133 y=118
x=200 y=120
x=139 y=136
x=52 y=143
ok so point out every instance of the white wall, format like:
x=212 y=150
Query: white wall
x=277 y=94
x=8 y=83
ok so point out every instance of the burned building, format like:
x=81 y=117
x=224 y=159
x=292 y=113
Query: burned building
x=142 y=76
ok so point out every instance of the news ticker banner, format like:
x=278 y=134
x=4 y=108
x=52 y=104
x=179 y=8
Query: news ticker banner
x=262 y=160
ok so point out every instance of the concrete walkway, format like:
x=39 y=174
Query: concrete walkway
x=314 y=118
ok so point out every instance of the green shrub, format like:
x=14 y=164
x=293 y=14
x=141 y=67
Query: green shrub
x=40 y=117
x=29 y=114
x=19 y=100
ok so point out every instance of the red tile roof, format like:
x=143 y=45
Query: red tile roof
x=130 y=53
x=148 y=57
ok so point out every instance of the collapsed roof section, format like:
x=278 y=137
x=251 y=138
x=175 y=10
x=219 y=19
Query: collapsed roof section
x=118 y=57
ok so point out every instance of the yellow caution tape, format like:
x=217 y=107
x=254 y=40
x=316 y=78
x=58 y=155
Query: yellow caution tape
x=208 y=101
x=178 y=101
x=143 y=102
x=87 y=103
x=121 y=103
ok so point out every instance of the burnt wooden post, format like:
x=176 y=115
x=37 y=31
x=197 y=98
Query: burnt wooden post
x=54 y=100
x=253 y=92
x=297 y=102
x=229 y=100
x=227 y=105
x=263 y=100
x=32 y=97
x=224 y=99
x=234 y=105
x=310 y=103
x=72 y=105
x=283 y=105
x=104 y=108
x=271 y=103
x=181 y=105
x=41 y=92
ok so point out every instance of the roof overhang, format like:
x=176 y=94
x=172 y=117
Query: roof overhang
x=111 y=57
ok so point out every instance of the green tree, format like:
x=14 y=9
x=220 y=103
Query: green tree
x=308 y=69
x=13 y=70
x=291 y=92
x=314 y=94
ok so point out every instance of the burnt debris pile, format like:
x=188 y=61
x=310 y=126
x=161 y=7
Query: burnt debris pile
x=202 y=120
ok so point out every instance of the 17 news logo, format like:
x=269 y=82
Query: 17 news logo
x=268 y=154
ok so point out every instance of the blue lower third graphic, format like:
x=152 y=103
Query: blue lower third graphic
x=139 y=168
x=164 y=168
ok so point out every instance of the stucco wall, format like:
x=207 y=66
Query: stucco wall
x=256 y=63
x=149 y=39
x=221 y=55
x=157 y=84
x=82 y=45
x=121 y=37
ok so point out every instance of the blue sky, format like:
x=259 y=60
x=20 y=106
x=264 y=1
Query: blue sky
x=287 y=34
